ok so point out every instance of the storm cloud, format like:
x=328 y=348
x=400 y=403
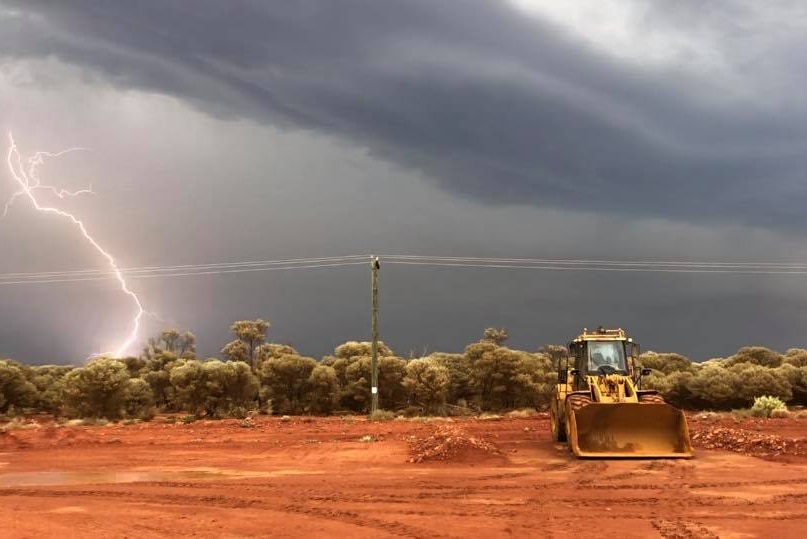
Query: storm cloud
x=486 y=100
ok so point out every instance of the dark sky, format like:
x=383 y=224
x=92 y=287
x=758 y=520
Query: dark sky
x=245 y=130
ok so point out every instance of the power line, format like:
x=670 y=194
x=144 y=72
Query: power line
x=660 y=269
x=185 y=274
x=563 y=261
x=185 y=267
x=544 y=264
x=510 y=262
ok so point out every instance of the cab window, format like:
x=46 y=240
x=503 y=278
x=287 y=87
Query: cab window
x=606 y=353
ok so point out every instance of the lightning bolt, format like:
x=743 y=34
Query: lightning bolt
x=30 y=184
x=32 y=178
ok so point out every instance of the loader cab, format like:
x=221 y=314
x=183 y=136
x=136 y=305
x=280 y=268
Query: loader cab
x=596 y=353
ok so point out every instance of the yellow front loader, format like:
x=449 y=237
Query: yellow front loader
x=600 y=409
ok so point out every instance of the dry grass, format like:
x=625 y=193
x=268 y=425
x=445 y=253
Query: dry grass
x=381 y=415
x=426 y=419
x=19 y=424
x=523 y=412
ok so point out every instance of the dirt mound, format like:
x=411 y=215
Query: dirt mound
x=449 y=443
x=747 y=442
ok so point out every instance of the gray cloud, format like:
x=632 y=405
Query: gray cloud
x=484 y=101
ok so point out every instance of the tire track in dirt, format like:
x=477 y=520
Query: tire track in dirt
x=350 y=517
x=234 y=502
x=682 y=529
x=738 y=484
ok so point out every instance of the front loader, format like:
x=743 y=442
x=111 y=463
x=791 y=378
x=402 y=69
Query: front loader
x=600 y=410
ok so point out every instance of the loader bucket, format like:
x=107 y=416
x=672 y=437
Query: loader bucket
x=631 y=430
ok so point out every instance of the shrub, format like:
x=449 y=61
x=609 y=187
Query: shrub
x=213 y=387
x=796 y=357
x=273 y=350
x=534 y=381
x=49 y=383
x=756 y=355
x=324 y=389
x=427 y=382
x=138 y=399
x=714 y=386
x=354 y=374
x=459 y=375
x=756 y=380
x=665 y=363
x=391 y=373
x=764 y=406
x=353 y=349
x=98 y=389
x=357 y=372
x=493 y=376
x=15 y=390
x=231 y=385
x=190 y=391
x=287 y=382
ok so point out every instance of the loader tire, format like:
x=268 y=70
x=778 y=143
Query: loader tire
x=651 y=399
x=573 y=403
x=558 y=427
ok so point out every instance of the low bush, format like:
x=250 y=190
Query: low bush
x=765 y=405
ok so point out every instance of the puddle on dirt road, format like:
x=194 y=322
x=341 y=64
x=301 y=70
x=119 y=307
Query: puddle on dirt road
x=53 y=478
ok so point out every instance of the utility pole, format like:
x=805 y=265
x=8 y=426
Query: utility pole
x=375 y=265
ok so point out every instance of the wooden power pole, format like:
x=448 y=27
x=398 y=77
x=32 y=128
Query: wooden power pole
x=375 y=265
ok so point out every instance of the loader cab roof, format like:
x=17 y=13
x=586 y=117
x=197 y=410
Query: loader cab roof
x=601 y=334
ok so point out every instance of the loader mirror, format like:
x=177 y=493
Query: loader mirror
x=575 y=372
x=646 y=371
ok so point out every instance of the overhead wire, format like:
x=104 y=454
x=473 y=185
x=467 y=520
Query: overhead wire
x=545 y=264
x=182 y=267
x=565 y=261
x=222 y=271
x=600 y=268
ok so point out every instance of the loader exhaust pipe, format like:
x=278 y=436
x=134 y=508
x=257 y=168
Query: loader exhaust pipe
x=629 y=430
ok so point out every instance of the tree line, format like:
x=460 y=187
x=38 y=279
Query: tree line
x=254 y=375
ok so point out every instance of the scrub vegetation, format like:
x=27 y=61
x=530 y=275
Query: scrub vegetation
x=256 y=376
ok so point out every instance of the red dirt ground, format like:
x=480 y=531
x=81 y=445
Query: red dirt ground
x=352 y=478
